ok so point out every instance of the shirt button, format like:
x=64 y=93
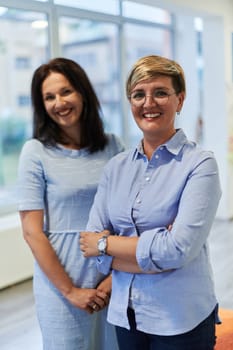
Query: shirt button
x=156 y=156
x=161 y=148
x=147 y=178
x=138 y=201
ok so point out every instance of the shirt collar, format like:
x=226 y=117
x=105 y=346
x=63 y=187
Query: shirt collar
x=173 y=145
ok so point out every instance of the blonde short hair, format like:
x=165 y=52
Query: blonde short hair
x=149 y=67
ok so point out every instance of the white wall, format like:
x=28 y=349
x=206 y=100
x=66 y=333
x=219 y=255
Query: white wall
x=16 y=262
x=218 y=88
x=218 y=81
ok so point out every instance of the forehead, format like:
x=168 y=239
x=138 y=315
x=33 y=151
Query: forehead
x=160 y=81
x=53 y=81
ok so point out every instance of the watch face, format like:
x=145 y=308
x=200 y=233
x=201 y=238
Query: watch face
x=102 y=245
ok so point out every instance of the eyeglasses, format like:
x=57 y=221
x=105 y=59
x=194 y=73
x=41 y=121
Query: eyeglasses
x=138 y=97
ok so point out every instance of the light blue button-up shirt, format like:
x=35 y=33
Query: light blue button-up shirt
x=178 y=186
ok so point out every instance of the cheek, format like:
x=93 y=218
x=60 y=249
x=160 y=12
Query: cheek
x=134 y=111
x=77 y=104
x=47 y=107
x=80 y=108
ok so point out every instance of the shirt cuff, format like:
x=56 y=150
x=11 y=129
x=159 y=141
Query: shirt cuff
x=104 y=264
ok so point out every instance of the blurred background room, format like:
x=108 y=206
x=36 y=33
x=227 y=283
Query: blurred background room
x=105 y=37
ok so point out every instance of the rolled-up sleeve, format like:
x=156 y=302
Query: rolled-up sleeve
x=160 y=248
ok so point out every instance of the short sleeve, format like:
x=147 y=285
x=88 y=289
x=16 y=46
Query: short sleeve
x=31 y=180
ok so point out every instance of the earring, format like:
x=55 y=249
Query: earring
x=178 y=113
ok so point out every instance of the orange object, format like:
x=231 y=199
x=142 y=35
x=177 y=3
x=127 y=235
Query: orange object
x=224 y=331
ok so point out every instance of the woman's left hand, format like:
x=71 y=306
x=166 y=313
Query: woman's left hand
x=88 y=242
x=105 y=285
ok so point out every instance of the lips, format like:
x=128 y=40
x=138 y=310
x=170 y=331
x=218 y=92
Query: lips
x=151 y=115
x=64 y=113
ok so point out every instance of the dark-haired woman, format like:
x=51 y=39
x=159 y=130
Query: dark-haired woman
x=59 y=170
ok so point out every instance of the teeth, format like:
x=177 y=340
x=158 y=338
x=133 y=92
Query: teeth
x=64 y=113
x=151 y=115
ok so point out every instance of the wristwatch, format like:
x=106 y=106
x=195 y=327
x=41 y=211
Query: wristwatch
x=102 y=245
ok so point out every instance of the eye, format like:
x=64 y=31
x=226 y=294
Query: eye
x=138 y=95
x=67 y=92
x=161 y=93
x=48 y=98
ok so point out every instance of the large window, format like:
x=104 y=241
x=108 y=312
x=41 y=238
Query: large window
x=104 y=37
x=22 y=49
x=94 y=45
x=105 y=6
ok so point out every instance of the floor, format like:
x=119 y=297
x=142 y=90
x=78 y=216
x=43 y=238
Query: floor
x=19 y=329
x=18 y=325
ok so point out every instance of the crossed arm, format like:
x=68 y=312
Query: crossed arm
x=122 y=249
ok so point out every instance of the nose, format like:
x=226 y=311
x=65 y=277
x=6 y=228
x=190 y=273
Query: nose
x=149 y=99
x=59 y=101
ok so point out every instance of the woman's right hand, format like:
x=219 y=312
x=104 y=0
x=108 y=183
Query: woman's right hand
x=87 y=299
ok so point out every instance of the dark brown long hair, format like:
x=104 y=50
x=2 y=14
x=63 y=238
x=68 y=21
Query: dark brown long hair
x=45 y=129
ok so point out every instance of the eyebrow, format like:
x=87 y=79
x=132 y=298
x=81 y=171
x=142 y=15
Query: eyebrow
x=156 y=88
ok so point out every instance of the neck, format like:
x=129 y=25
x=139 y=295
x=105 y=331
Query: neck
x=148 y=149
x=151 y=144
x=72 y=141
x=71 y=146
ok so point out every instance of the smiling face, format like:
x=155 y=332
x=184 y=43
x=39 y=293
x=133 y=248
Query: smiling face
x=63 y=103
x=155 y=116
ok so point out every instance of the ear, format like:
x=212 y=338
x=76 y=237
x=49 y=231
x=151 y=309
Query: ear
x=181 y=98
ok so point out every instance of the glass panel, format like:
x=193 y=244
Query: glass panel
x=105 y=6
x=94 y=46
x=144 y=40
x=144 y=12
x=23 y=47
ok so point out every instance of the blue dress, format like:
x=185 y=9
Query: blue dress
x=63 y=183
